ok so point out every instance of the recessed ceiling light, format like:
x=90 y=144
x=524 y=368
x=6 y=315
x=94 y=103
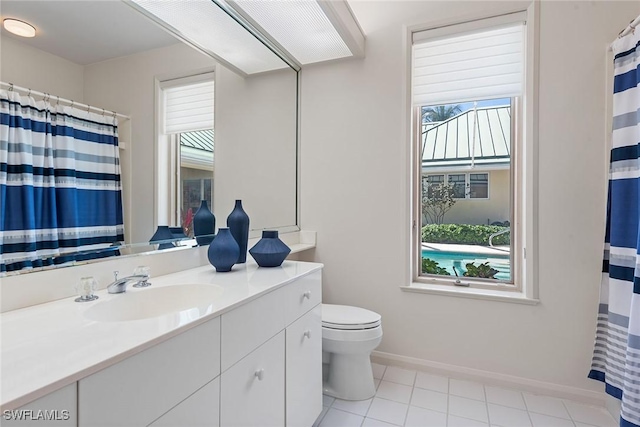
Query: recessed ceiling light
x=19 y=28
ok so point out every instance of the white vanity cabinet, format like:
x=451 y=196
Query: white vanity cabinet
x=272 y=358
x=258 y=363
x=142 y=388
x=58 y=408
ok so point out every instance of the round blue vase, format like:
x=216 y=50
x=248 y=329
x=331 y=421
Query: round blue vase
x=204 y=224
x=223 y=251
x=238 y=223
x=270 y=251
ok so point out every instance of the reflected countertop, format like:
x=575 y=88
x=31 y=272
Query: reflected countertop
x=47 y=346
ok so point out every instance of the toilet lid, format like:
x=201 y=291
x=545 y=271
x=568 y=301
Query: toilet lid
x=347 y=317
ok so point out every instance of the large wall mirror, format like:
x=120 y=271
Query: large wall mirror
x=109 y=55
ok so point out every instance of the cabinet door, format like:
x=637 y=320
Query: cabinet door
x=304 y=369
x=252 y=390
x=201 y=409
x=138 y=390
x=58 y=408
x=302 y=295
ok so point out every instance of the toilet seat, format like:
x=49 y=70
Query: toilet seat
x=347 y=318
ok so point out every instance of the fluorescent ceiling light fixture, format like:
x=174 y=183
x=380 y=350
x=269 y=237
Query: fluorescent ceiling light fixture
x=301 y=27
x=19 y=28
x=206 y=26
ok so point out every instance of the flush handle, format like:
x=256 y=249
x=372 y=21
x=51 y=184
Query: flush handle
x=307 y=295
x=259 y=374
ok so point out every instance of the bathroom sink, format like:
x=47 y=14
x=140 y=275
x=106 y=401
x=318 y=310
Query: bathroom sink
x=154 y=302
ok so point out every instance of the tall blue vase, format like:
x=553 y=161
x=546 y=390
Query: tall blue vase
x=238 y=223
x=204 y=224
x=223 y=251
x=270 y=251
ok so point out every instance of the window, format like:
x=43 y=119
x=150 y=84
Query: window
x=467 y=91
x=185 y=149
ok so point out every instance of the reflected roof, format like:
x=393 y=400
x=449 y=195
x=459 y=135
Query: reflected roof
x=453 y=143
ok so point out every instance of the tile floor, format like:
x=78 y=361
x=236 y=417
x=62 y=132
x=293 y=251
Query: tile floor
x=419 y=399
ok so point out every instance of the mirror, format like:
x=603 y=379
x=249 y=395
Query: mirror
x=107 y=55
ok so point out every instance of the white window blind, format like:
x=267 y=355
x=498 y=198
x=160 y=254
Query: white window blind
x=188 y=108
x=470 y=66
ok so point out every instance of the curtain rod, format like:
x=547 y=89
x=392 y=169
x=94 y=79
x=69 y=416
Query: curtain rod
x=72 y=103
x=629 y=28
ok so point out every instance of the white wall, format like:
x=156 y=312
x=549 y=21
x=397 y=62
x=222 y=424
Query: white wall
x=355 y=192
x=35 y=69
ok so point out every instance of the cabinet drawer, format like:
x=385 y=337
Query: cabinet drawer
x=302 y=295
x=141 y=388
x=201 y=409
x=250 y=325
x=304 y=369
x=252 y=391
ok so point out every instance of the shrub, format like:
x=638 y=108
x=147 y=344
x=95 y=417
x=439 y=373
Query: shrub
x=430 y=266
x=464 y=234
x=483 y=270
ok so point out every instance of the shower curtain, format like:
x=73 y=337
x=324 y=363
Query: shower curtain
x=60 y=188
x=616 y=356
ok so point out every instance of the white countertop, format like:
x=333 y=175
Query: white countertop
x=48 y=346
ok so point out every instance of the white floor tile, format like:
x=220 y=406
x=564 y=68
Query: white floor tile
x=399 y=375
x=597 y=416
x=336 y=418
x=327 y=400
x=420 y=417
x=370 y=422
x=388 y=411
x=508 y=417
x=393 y=391
x=378 y=370
x=429 y=399
x=358 y=407
x=468 y=389
x=540 y=420
x=464 y=422
x=321 y=416
x=432 y=382
x=546 y=405
x=505 y=397
x=376 y=382
x=468 y=408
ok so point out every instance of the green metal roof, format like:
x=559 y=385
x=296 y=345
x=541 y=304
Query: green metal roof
x=453 y=142
x=201 y=139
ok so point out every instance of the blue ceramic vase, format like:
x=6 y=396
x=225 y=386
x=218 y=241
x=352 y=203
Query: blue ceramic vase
x=270 y=251
x=223 y=251
x=238 y=223
x=204 y=224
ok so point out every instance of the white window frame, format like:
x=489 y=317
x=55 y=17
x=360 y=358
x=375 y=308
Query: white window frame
x=467 y=183
x=524 y=172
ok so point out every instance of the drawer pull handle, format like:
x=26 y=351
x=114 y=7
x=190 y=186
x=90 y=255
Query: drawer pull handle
x=307 y=295
x=307 y=334
x=260 y=374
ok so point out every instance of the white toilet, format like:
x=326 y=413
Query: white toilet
x=349 y=335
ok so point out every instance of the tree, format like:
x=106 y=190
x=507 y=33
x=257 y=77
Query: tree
x=437 y=199
x=440 y=113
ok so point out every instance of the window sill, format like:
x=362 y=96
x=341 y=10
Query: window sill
x=474 y=293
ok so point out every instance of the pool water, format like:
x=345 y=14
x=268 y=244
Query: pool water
x=448 y=260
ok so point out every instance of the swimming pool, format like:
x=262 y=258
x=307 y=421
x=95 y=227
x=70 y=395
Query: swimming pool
x=448 y=260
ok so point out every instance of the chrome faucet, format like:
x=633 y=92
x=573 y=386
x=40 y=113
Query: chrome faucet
x=120 y=285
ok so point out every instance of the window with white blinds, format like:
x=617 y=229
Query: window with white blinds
x=466 y=63
x=188 y=108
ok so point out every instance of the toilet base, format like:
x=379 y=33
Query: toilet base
x=349 y=377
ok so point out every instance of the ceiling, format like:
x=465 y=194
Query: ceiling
x=86 y=31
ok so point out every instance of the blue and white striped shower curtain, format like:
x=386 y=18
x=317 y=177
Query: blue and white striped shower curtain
x=60 y=188
x=616 y=357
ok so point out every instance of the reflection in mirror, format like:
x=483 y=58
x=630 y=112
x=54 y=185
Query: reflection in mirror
x=108 y=56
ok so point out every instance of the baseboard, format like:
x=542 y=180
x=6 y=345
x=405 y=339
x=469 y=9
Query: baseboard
x=491 y=378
